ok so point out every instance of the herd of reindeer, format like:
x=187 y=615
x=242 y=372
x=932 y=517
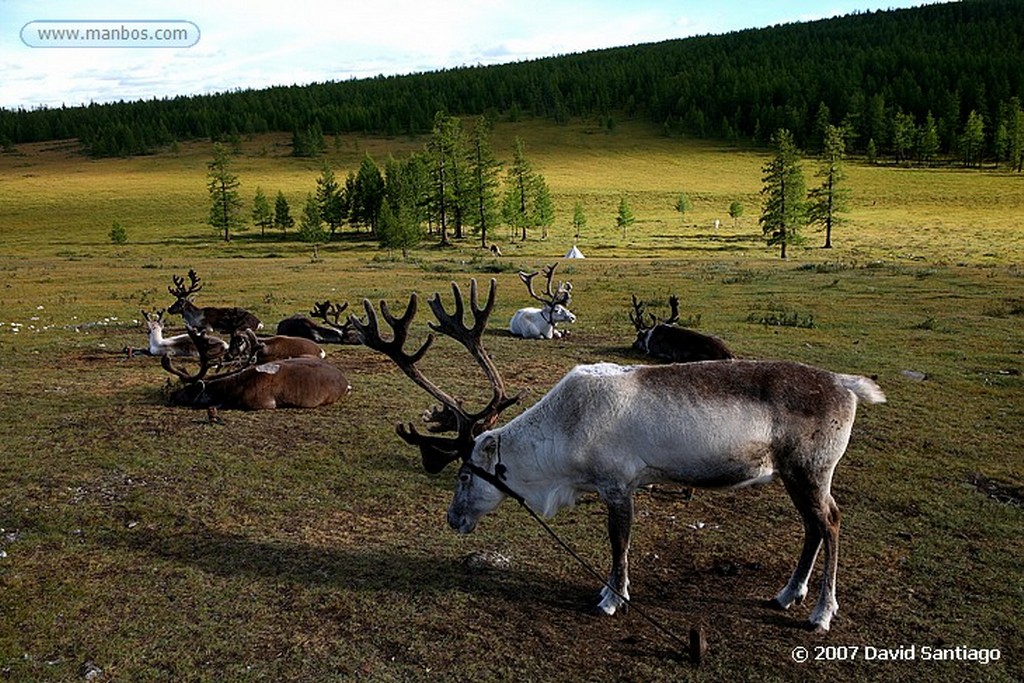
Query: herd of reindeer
x=603 y=428
x=288 y=370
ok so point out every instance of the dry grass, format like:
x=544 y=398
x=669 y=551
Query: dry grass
x=308 y=545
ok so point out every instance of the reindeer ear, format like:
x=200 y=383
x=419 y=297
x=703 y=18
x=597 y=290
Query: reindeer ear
x=436 y=459
x=488 y=451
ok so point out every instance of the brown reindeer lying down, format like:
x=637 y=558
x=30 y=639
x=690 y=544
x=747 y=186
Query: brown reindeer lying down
x=289 y=383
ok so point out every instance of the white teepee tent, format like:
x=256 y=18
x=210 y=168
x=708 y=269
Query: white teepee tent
x=574 y=253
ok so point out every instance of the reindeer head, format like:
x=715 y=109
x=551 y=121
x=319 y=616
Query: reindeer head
x=556 y=302
x=244 y=347
x=193 y=389
x=645 y=321
x=438 y=451
x=182 y=293
x=153 y=320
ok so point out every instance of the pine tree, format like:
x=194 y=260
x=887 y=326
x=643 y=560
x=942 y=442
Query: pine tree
x=225 y=204
x=330 y=199
x=399 y=226
x=118 y=234
x=928 y=140
x=449 y=200
x=543 y=207
x=282 y=214
x=262 y=213
x=782 y=210
x=904 y=134
x=735 y=211
x=310 y=142
x=683 y=204
x=625 y=217
x=579 y=220
x=366 y=195
x=311 y=226
x=517 y=206
x=1015 y=133
x=972 y=139
x=828 y=200
x=484 y=181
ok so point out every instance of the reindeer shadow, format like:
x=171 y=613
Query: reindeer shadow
x=350 y=568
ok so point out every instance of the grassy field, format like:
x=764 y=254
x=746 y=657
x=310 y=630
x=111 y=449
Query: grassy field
x=140 y=542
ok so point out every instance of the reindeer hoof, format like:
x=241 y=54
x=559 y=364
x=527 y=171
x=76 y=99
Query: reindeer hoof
x=817 y=629
x=608 y=605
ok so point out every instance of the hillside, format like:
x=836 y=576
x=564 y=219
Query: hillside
x=872 y=71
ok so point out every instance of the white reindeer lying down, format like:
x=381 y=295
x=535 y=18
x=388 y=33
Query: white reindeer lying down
x=611 y=429
x=540 y=323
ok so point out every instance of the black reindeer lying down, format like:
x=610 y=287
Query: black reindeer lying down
x=666 y=341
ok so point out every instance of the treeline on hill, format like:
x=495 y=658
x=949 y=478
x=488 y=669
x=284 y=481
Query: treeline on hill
x=921 y=75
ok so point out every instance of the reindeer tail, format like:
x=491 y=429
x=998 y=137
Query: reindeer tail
x=863 y=388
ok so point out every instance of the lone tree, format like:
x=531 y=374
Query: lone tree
x=735 y=211
x=828 y=200
x=783 y=194
x=579 y=220
x=625 y=217
x=225 y=204
x=118 y=235
x=683 y=205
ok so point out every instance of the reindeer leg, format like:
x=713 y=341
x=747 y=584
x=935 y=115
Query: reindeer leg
x=820 y=515
x=827 y=606
x=620 y=521
x=796 y=588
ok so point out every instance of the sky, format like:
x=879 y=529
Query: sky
x=223 y=45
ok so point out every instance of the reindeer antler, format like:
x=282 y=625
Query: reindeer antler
x=243 y=350
x=673 y=303
x=154 y=317
x=199 y=339
x=562 y=295
x=179 y=289
x=438 y=451
x=329 y=313
x=636 y=316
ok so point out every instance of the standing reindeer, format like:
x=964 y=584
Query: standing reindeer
x=667 y=341
x=226 y=320
x=175 y=345
x=611 y=429
x=289 y=383
x=539 y=323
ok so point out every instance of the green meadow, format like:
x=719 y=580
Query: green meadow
x=141 y=542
